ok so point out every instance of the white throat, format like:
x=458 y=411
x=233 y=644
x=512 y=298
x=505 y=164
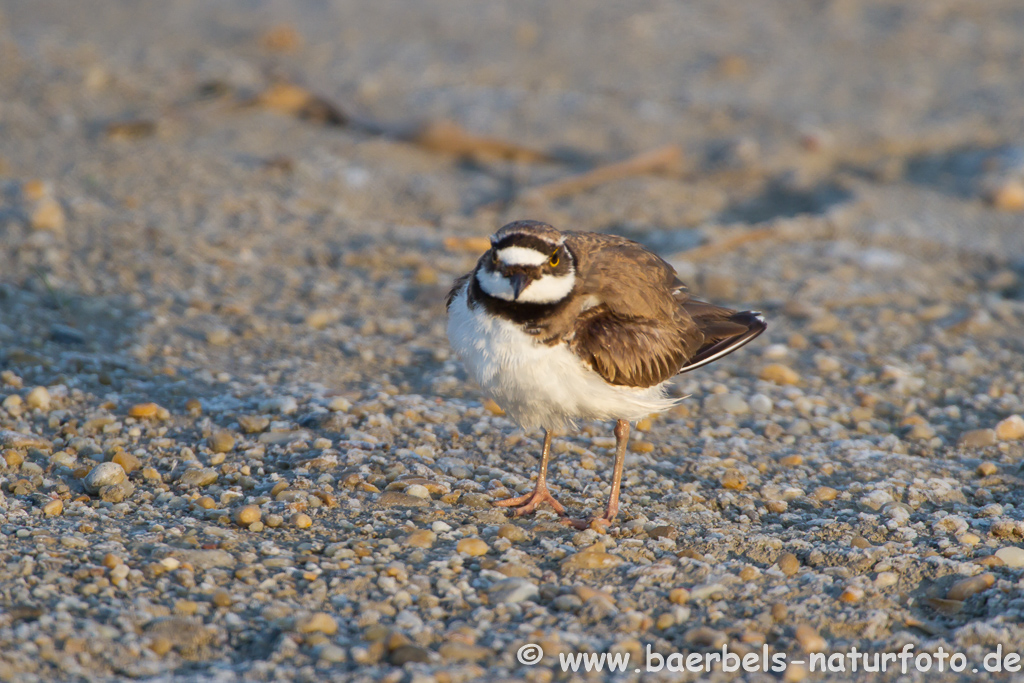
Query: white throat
x=547 y=289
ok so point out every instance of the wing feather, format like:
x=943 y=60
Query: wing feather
x=643 y=352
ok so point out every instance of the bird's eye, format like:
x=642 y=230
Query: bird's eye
x=553 y=261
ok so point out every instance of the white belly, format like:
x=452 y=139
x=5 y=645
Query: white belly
x=539 y=385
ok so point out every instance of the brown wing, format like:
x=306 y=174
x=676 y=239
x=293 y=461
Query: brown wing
x=634 y=352
x=641 y=352
x=645 y=328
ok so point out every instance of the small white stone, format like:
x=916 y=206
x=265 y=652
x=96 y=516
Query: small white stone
x=38 y=398
x=418 y=490
x=827 y=363
x=513 y=590
x=285 y=405
x=886 y=579
x=440 y=527
x=760 y=403
x=1011 y=555
x=104 y=474
x=339 y=404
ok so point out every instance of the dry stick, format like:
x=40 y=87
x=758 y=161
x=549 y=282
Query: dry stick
x=659 y=159
x=448 y=138
x=728 y=244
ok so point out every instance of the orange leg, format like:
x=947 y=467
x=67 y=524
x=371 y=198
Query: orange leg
x=524 y=505
x=621 y=439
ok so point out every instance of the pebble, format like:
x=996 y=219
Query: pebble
x=512 y=590
x=1008 y=196
x=129 y=462
x=48 y=215
x=104 y=474
x=788 y=564
x=54 y=507
x=199 y=476
x=734 y=404
x=987 y=469
x=512 y=532
x=116 y=493
x=760 y=403
x=317 y=622
x=400 y=499
x=591 y=559
x=221 y=442
x=474 y=547
x=679 y=596
x=1012 y=556
x=810 y=640
x=300 y=520
x=13 y=458
x=851 y=594
x=285 y=405
x=12 y=439
x=418 y=490
x=143 y=410
x=886 y=579
x=339 y=404
x=965 y=588
x=218 y=336
x=1010 y=429
x=253 y=424
x=332 y=654
x=733 y=479
x=827 y=364
x=780 y=374
x=977 y=438
x=247 y=515
x=38 y=398
x=320 y=319
x=421 y=538
x=795 y=672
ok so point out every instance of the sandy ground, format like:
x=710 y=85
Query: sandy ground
x=253 y=458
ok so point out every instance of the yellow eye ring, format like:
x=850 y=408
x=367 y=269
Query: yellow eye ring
x=553 y=261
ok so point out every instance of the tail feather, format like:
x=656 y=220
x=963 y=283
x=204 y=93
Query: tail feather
x=724 y=335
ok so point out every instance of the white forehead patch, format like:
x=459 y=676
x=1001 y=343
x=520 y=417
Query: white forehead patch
x=548 y=289
x=522 y=256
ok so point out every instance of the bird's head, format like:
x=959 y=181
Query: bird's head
x=528 y=262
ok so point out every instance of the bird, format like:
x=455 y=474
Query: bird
x=561 y=326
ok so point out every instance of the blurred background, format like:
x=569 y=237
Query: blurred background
x=226 y=233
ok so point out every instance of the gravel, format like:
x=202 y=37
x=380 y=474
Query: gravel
x=235 y=445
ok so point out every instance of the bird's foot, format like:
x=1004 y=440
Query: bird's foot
x=524 y=505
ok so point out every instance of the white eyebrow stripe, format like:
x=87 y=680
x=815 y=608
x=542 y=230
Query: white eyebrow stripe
x=522 y=256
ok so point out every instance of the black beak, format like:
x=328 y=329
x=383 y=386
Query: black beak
x=519 y=282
